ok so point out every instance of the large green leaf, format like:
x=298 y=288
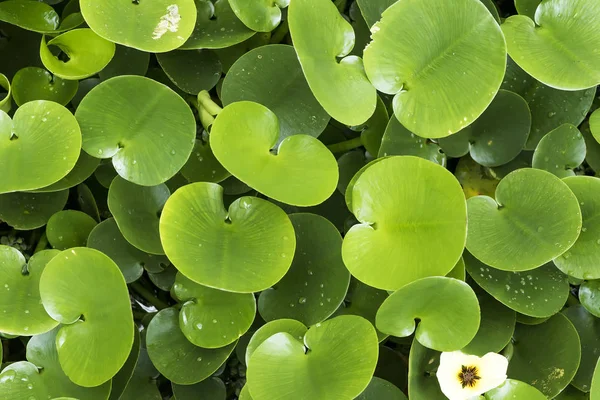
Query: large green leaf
x=31 y=210
x=422 y=382
x=36 y=16
x=380 y=389
x=69 y=228
x=588 y=328
x=192 y=71
x=560 y=151
x=32 y=83
x=209 y=389
x=513 y=389
x=259 y=15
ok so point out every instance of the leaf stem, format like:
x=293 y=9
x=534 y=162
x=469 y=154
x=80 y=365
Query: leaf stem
x=346 y=145
x=42 y=243
x=205 y=101
x=205 y=118
x=148 y=295
x=280 y=32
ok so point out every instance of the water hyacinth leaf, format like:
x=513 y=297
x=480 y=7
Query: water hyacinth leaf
x=493 y=139
x=87 y=201
x=94 y=325
x=44 y=139
x=594 y=122
x=216 y=27
x=23 y=313
x=534 y=219
x=550 y=108
x=165 y=279
x=212 y=318
x=546 y=356
x=211 y=388
x=84 y=168
x=122 y=378
x=581 y=261
x=152 y=26
x=291 y=326
x=126 y=61
x=527 y=7
x=247 y=248
x=251 y=79
x=231 y=54
x=143 y=382
x=426 y=78
x=34 y=83
x=373 y=129
x=31 y=210
x=107 y=238
x=564 y=37
x=31 y=15
x=176 y=357
x=317 y=282
x=5 y=98
x=364 y=301
x=349 y=164
x=592 y=146
x=295 y=372
x=69 y=228
x=87 y=54
x=560 y=151
x=372 y=9
x=571 y=393
x=449 y=318
x=513 y=389
x=303 y=173
x=403 y=202
x=399 y=141
x=192 y=71
x=321 y=36
x=259 y=15
x=588 y=328
x=589 y=296
x=595 y=391
x=202 y=166
x=458 y=272
x=538 y=293
x=380 y=389
x=422 y=382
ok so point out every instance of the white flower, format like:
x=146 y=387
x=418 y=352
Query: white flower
x=463 y=376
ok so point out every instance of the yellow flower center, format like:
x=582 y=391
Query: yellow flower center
x=468 y=376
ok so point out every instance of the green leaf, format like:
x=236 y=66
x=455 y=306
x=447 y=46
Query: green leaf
x=588 y=328
x=527 y=7
x=202 y=166
x=595 y=125
x=422 y=382
x=246 y=249
x=126 y=61
x=192 y=71
x=410 y=201
x=317 y=374
x=69 y=228
x=122 y=378
x=272 y=76
x=31 y=210
x=380 y=389
x=145 y=127
x=595 y=391
x=302 y=173
x=143 y=383
x=43 y=139
x=259 y=15
x=564 y=41
x=512 y=389
x=83 y=169
x=97 y=320
x=463 y=63
x=373 y=130
x=372 y=9
x=534 y=219
x=210 y=389
x=175 y=357
x=317 y=282
x=321 y=36
x=364 y=301
x=34 y=83
x=36 y=16
x=589 y=296
x=291 y=326
x=560 y=151
x=6 y=99
x=447 y=310
x=155 y=26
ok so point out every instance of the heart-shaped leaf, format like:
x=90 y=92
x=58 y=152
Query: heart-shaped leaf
x=291 y=326
x=83 y=169
x=291 y=100
x=464 y=63
x=145 y=127
x=316 y=373
x=534 y=219
x=97 y=320
x=402 y=203
x=422 y=365
x=527 y=7
x=380 y=389
x=563 y=38
x=177 y=358
x=246 y=249
x=154 y=26
x=191 y=71
x=31 y=210
x=69 y=228
x=589 y=296
x=22 y=311
x=211 y=388
x=34 y=83
x=43 y=139
x=302 y=173
x=588 y=328
x=560 y=151
x=512 y=389
x=321 y=36
x=539 y=293
x=317 y=281
x=447 y=310
x=259 y=15
x=36 y=16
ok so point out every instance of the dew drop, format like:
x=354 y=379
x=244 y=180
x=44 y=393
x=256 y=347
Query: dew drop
x=214 y=321
x=302 y=300
x=199 y=326
x=540 y=228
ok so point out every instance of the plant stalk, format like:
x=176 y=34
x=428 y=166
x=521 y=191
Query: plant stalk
x=346 y=145
x=205 y=101
x=280 y=32
x=148 y=295
x=42 y=243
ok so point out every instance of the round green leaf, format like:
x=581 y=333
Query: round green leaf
x=560 y=151
x=589 y=296
x=36 y=16
x=192 y=71
x=175 y=357
x=252 y=78
x=539 y=293
x=534 y=219
x=127 y=61
x=321 y=36
x=145 y=127
x=380 y=389
x=43 y=139
x=493 y=139
x=212 y=318
x=107 y=238
x=83 y=169
x=291 y=326
x=122 y=378
x=164 y=279
x=246 y=249
x=583 y=258
x=546 y=356
x=463 y=64
x=22 y=311
x=422 y=382
x=69 y=228
x=317 y=282
x=372 y=9
x=588 y=328
x=559 y=49
x=97 y=320
x=143 y=382
x=259 y=15
x=402 y=204
x=31 y=210
x=317 y=374
x=595 y=125
x=209 y=389
x=87 y=202
x=5 y=99
x=302 y=173
x=88 y=54
x=202 y=166
x=512 y=389
x=34 y=83
x=527 y=7
x=364 y=301
x=447 y=310
x=155 y=26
